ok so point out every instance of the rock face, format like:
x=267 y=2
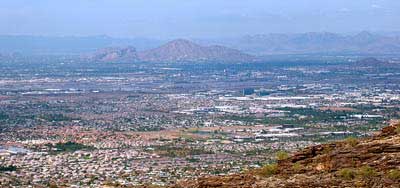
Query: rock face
x=184 y=50
x=369 y=162
x=174 y=51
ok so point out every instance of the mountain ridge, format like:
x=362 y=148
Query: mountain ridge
x=316 y=42
x=364 y=43
x=127 y=54
x=179 y=50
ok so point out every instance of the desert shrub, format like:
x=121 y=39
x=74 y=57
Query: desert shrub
x=347 y=174
x=152 y=186
x=52 y=185
x=327 y=150
x=394 y=174
x=268 y=170
x=281 y=155
x=367 y=172
x=351 y=141
x=297 y=167
x=398 y=129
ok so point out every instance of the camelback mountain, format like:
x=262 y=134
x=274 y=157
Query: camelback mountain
x=367 y=162
x=184 y=50
x=175 y=51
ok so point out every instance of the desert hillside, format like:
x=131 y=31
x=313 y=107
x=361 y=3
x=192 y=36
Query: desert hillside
x=368 y=162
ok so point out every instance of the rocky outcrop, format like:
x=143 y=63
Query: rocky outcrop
x=368 y=162
x=239 y=180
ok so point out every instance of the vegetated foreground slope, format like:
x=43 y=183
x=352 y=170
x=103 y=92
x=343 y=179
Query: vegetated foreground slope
x=369 y=162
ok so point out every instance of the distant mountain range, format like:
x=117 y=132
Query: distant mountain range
x=363 y=43
x=370 y=61
x=68 y=45
x=374 y=63
x=175 y=51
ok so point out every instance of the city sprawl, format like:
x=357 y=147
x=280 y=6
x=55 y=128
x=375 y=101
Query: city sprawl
x=68 y=122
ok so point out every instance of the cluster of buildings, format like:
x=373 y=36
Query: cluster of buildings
x=139 y=124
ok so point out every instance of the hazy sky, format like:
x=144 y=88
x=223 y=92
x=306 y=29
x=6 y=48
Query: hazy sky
x=195 y=18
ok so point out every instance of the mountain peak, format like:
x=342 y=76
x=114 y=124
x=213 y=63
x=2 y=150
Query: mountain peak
x=184 y=50
x=365 y=33
x=180 y=42
x=181 y=45
x=369 y=61
x=365 y=36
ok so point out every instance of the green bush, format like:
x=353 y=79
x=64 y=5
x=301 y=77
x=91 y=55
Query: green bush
x=71 y=147
x=8 y=168
x=281 y=155
x=297 y=167
x=3 y=116
x=327 y=150
x=394 y=174
x=268 y=170
x=347 y=174
x=55 y=117
x=398 y=129
x=351 y=141
x=367 y=172
x=52 y=185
